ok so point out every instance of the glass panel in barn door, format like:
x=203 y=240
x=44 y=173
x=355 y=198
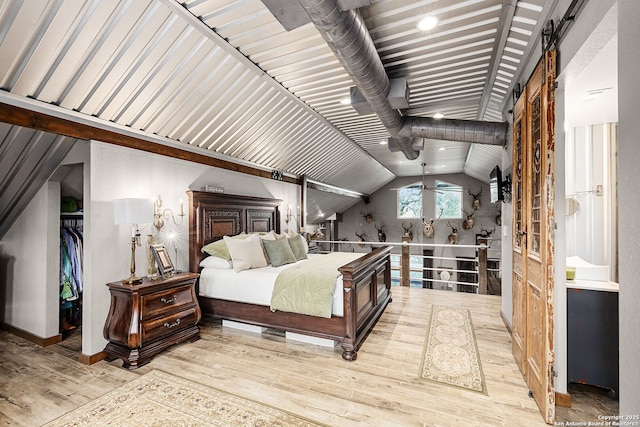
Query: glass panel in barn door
x=536 y=184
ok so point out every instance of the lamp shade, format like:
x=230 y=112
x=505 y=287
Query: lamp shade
x=133 y=211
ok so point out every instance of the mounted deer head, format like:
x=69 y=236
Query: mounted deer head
x=467 y=224
x=317 y=234
x=453 y=237
x=428 y=230
x=361 y=238
x=408 y=230
x=485 y=232
x=476 y=199
x=381 y=236
x=367 y=217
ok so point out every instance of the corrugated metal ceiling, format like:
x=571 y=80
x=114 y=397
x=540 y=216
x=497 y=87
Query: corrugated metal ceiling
x=225 y=76
x=27 y=159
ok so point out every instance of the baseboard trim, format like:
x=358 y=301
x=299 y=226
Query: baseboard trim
x=563 y=400
x=90 y=359
x=43 y=342
x=504 y=320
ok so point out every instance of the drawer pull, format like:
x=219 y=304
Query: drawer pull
x=169 y=301
x=171 y=325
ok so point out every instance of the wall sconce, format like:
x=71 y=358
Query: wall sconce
x=159 y=215
x=289 y=215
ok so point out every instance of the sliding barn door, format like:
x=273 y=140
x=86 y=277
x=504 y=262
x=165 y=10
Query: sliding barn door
x=518 y=324
x=533 y=227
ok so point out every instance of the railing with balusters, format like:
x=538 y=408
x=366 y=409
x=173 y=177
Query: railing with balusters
x=435 y=266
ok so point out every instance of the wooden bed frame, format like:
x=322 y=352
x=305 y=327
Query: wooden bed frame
x=367 y=280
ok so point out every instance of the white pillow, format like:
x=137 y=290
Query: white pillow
x=246 y=253
x=215 y=262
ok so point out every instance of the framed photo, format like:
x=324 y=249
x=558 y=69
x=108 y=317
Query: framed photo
x=161 y=256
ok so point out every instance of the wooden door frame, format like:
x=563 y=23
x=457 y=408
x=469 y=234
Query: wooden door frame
x=519 y=232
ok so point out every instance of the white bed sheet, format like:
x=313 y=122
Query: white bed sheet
x=253 y=286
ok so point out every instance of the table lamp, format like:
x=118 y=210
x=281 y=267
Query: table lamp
x=134 y=212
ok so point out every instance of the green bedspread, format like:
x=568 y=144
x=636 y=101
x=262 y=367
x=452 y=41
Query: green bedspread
x=308 y=286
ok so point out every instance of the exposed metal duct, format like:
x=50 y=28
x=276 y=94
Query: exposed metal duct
x=348 y=37
x=479 y=132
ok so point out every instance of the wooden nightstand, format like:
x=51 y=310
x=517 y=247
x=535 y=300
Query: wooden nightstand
x=148 y=317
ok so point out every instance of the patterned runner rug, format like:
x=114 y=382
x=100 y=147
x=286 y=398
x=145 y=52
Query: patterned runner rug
x=160 y=399
x=451 y=353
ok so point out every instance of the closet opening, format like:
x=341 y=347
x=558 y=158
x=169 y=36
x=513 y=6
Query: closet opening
x=71 y=283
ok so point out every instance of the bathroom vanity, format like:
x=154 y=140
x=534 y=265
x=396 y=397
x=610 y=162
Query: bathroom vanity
x=592 y=333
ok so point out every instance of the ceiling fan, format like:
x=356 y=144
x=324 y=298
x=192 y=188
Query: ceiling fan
x=423 y=186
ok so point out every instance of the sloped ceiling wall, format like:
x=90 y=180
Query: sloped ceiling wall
x=27 y=159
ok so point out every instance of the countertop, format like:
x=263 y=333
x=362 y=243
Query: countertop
x=593 y=285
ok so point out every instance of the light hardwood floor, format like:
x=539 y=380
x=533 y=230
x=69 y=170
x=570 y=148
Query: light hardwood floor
x=381 y=388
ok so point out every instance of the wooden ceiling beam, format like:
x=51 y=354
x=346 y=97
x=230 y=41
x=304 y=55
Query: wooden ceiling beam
x=44 y=122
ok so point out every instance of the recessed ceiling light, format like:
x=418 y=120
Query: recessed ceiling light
x=383 y=142
x=444 y=166
x=438 y=115
x=427 y=23
x=441 y=149
x=345 y=101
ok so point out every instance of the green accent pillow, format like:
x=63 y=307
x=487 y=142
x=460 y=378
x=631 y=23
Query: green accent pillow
x=279 y=252
x=219 y=247
x=298 y=247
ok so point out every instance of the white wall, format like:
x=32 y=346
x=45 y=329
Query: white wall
x=629 y=203
x=587 y=166
x=31 y=250
x=506 y=236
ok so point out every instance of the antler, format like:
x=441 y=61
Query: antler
x=432 y=220
x=487 y=232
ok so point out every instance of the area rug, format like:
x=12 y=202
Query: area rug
x=450 y=352
x=160 y=399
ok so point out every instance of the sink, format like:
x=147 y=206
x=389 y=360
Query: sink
x=584 y=270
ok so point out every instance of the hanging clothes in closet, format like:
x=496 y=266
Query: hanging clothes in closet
x=70 y=273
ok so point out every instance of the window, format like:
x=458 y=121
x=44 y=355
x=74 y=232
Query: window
x=410 y=201
x=448 y=200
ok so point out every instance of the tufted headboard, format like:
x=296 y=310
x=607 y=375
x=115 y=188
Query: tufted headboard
x=213 y=215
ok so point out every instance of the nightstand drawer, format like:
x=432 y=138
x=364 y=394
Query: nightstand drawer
x=158 y=303
x=160 y=327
